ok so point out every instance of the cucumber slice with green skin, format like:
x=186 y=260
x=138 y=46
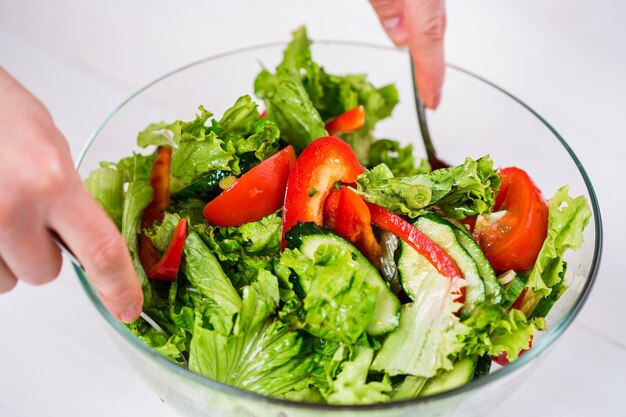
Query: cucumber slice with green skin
x=461 y=374
x=513 y=288
x=208 y=185
x=493 y=289
x=442 y=233
x=307 y=237
x=413 y=269
x=204 y=188
x=483 y=365
x=409 y=388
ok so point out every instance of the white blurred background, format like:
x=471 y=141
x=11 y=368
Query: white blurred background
x=565 y=58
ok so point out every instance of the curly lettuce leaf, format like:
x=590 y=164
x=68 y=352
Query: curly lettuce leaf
x=351 y=385
x=567 y=219
x=240 y=118
x=398 y=159
x=161 y=234
x=245 y=250
x=338 y=303
x=457 y=192
x=495 y=330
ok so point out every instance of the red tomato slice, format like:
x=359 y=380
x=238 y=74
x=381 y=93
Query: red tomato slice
x=346 y=214
x=347 y=122
x=514 y=241
x=256 y=194
x=324 y=162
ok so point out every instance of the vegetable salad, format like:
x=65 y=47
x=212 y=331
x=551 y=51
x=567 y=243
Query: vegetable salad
x=290 y=253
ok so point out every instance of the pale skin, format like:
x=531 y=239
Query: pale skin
x=41 y=190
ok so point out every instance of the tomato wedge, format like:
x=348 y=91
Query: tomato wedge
x=392 y=223
x=323 y=163
x=165 y=268
x=256 y=194
x=514 y=241
x=349 y=121
x=346 y=214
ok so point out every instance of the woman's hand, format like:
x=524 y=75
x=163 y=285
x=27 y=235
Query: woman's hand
x=41 y=191
x=420 y=25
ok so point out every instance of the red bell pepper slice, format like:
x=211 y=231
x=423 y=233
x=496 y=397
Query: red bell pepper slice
x=323 y=163
x=160 y=182
x=349 y=121
x=256 y=194
x=346 y=214
x=392 y=223
x=165 y=268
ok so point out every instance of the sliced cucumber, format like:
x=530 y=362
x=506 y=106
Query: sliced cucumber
x=409 y=388
x=493 y=289
x=483 y=366
x=204 y=188
x=308 y=238
x=515 y=283
x=442 y=233
x=413 y=269
x=461 y=374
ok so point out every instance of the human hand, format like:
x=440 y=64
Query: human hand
x=420 y=25
x=41 y=192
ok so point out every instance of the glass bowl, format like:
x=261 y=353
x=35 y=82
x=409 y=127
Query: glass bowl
x=475 y=118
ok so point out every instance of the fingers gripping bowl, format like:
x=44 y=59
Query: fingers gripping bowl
x=476 y=118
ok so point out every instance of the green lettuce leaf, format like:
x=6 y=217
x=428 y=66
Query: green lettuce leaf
x=567 y=219
x=106 y=186
x=398 y=159
x=245 y=250
x=351 y=386
x=240 y=118
x=289 y=106
x=161 y=234
x=138 y=196
x=206 y=275
x=338 y=303
x=301 y=96
x=171 y=348
x=458 y=192
x=198 y=155
x=495 y=330
x=261 y=354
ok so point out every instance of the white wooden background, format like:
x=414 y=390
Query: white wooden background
x=566 y=58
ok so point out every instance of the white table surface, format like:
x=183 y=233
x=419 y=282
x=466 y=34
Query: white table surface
x=566 y=58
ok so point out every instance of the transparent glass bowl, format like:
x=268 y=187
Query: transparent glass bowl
x=474 y=119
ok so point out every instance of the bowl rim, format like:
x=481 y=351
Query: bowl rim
x=539 y=348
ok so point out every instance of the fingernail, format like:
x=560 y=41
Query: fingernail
x=394 y=26
x=434 y=102
x=130 y=314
